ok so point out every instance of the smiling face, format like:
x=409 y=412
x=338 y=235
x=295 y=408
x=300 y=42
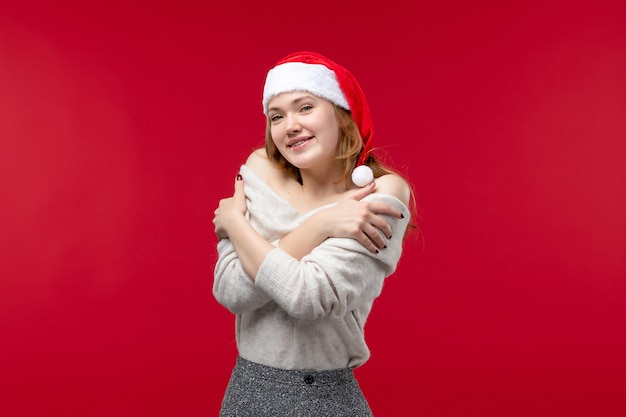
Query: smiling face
x=304 y=129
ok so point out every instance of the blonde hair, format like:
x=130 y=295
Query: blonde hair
x=349 y=149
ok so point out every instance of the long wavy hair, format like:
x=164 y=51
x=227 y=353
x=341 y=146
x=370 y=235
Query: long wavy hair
x=349 y=148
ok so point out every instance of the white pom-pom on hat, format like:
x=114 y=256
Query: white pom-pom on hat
x=362 y=175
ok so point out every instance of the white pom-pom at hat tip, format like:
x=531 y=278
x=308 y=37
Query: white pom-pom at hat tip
x=362 y=175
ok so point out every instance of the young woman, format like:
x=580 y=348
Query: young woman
x=303 y=250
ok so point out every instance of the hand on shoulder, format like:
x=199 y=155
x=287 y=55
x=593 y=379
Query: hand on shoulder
x=394 y=185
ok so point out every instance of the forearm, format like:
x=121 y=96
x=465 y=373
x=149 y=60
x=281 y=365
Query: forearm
x=251 y=247
x=232 y=286
x=338 y=275
x=306 y=237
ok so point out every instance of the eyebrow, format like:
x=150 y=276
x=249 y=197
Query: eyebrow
x=306 y=96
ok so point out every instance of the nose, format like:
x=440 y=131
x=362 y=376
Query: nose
x=293 y=124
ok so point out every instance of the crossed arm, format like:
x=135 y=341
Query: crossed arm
x=349 y=218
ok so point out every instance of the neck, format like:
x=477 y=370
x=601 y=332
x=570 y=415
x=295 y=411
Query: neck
x=322 y=182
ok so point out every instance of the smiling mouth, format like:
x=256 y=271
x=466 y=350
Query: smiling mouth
x=299 y=142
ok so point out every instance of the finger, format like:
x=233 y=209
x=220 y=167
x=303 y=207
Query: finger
x=375 y=236
x=381 y=224
x=367 y=243
x=238 y=181
x=359 y=193
x=384 y=208
x=239 y=185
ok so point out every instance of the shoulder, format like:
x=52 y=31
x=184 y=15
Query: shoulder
x=394 y=185
x=257 y=158
x=259 y=162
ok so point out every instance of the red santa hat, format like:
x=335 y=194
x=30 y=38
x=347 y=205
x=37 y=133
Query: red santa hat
x=318 y=75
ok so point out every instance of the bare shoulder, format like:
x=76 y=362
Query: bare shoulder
x=394 y=185
x=259 y=162
x=256 y=158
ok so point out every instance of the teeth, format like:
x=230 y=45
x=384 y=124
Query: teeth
x=297 y=143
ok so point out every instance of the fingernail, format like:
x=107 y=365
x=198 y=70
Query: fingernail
x=239 y=178
x=376 y=250
x=401 y=216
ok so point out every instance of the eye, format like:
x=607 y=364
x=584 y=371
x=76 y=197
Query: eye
x=275 y=118
x=306 y=108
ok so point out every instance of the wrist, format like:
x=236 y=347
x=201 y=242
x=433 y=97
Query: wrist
x=322 y=224
x=233 y=220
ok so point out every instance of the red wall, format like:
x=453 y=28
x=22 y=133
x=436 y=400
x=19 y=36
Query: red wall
x=122 y=125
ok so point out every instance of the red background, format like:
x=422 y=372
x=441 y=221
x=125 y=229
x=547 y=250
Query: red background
x=123 y=123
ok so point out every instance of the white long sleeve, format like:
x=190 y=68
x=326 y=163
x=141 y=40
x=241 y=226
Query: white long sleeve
x=307 y=314
x=232 y=287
